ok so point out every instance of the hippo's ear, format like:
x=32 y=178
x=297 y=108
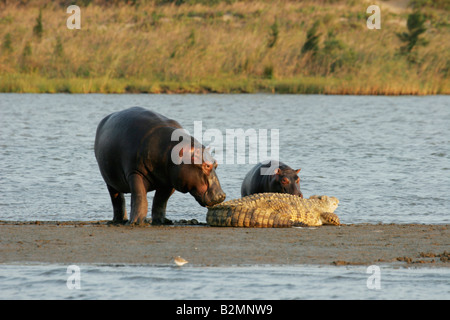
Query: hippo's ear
x=184 y=155
x=277 y=171
x=192 y=155
x=298 y=170
x=197 y=156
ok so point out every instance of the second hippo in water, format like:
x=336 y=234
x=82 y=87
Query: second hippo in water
x=282 y=179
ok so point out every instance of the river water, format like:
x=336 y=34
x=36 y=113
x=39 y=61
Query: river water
x=387 y=159
x=237 y=283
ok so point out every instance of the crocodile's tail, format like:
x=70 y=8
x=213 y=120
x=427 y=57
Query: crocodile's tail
x=330 y=218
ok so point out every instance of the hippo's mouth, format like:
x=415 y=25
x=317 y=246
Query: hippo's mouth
x=207 y=199
x=201 y=198
x=207 y=203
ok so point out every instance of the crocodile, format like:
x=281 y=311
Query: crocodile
x=277 y=210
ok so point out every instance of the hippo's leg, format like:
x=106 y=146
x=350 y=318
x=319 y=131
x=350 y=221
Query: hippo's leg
x=139 y=204
x=159 y=205
x=118 y=202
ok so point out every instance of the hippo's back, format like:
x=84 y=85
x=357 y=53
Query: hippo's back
x=119 y=141
x=130 y=123
x=251 y=179
x=256 y=180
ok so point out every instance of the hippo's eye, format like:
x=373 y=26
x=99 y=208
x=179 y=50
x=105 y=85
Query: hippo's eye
x=298 y=180
x=285 y=180
x=207 y=167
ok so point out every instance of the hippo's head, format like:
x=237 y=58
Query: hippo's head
x=196 y=174
x=286 y=180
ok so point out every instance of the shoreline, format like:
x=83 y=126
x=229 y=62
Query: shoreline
x=25 y=83
x=91 y=242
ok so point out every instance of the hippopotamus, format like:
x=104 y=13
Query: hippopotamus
x=282 y=179
x=137 y=153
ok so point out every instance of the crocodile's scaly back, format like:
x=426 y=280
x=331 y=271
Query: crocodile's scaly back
x=267 y=210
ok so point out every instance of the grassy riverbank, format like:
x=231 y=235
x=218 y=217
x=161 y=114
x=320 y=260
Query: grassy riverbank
x=230 y=46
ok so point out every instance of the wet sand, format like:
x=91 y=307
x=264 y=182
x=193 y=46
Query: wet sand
x=99 y=242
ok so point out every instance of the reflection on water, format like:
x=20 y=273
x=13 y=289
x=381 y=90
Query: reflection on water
x=246 y=282
x=385 y=158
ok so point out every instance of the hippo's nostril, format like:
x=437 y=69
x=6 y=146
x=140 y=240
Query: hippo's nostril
x=221 y=197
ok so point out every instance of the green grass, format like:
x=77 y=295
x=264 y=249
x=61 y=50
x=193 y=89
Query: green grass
x=20 y=83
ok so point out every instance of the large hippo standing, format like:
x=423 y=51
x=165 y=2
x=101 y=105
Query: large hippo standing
x=134 y=151
x=283 y=179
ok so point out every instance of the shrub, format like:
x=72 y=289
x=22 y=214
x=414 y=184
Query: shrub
x=38 y=29
x=58 y=51
x=415 y=25
x=7 y=43
x=273 y=35
x=312 y=40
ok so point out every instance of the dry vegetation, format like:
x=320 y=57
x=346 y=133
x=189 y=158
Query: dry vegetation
x=228 y=46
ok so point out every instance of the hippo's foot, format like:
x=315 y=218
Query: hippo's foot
x=138 y=223
x=192 y=222
x=118 y=222
x=161 y=222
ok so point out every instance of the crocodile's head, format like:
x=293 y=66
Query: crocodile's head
x=328 y=204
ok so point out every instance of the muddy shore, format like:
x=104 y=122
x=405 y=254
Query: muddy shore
x=100 y=242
